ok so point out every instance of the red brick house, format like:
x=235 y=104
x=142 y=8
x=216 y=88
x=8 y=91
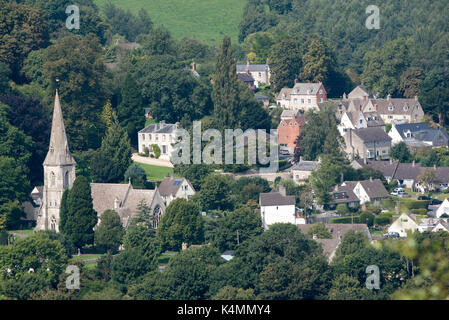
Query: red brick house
x=289 y=130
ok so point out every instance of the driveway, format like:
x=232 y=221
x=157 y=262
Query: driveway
x=151 y=161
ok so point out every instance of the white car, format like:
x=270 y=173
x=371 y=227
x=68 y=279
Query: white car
x=398 y=192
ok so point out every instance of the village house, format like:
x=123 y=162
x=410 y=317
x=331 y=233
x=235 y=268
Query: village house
x=355 y=118
x=354 y=193
x=416 y=135
x=289 y=130
x=407 y=174
x=161 y=134
x=337 y=231
x=443 y=208
x=277 y=207
x=403 y=224
x=262 y=98
x=370 y=143
x=301 y=171
x=303 y=96
x=259 y=72
x=247 y=79
x=433 y=225
x=174 y=188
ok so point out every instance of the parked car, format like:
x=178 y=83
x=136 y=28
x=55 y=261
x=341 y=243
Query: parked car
x=398 y=192
x=391 y=235
x=424 y=198
x=433 y=202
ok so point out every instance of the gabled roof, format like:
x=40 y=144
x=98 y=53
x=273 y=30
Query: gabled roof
x=306 y=88
x=170 y=186
x=344 y=193
x=252 y=68
x=399 y=106
x=388 y=168
x=374 y=134
x=284 y=91
x=159 y=128
x=306 y=165
x=245 y=77
x=374 y=188
x=419 y=131
x=276 y=199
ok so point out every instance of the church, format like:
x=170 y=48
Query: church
x=59 y=175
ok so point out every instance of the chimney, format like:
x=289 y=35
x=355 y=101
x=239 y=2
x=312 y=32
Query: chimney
x=184 y=246
x=296 y=81
x=371 y=179
x=193 y=66
x=162 y=123
x=364 y=98
x=341 y=177
x=247 y=66
x=413 y=163
x=375 y=107
x=389 y=97
x=282 y=190
x=416 y=98
x=344 y=96
x=116 y=203
x=300 y=158
x=391 y=161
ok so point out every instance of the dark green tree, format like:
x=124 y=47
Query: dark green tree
x=80 y=217
x=216 y=193
x=110 y=231
x=180 y=223
x=400 y=152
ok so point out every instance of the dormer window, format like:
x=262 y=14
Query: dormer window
x=390 y=108
x=405 y=108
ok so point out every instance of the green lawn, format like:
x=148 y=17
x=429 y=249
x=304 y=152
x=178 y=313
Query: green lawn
x=26 y=231
x=84 y=257
x=149 y=121
x=164 y=258
x=206 y=20
x=156 y=172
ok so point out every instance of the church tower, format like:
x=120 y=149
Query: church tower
x=59 y=172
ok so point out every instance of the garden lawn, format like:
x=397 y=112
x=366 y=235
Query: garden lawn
x=205 y=20
x=156 y=172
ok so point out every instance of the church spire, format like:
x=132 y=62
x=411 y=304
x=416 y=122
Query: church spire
x=58 y=152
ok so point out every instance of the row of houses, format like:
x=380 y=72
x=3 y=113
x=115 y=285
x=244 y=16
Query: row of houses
x=407 y=174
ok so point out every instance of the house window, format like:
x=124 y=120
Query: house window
x=52 y=179
x=290 y=124
x=321 y=91
x=157 y=138
x=295 y=100
x=163 y=137
x=321 y=99
x=309 y=101
x=149 y=136
x=302 y=101
x=164 y=149
x=143 y=136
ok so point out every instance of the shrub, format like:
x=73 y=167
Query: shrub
x=420 y=211
x=342 y=209
x=387 y=203
x=345 y=220
x=367 y=217
x=410 y=204
x=146 y=151
x=382 y=220
x=156 y=150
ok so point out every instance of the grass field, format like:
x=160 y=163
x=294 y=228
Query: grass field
x=206 y=20
x=25 y=231
x=164 y=258
x=156 y=172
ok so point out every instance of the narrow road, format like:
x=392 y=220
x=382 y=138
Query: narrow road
x=151 y=161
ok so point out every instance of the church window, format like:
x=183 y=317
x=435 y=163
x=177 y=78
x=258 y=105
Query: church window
x=66 y=180
x=52 y=179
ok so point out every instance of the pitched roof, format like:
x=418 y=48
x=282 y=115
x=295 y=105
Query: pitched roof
x=306 y=88
x=261 y=97
x=408 y=171
x=169 y=186
x=159 y=128
x=374 y=134
x=399 y=106
x=387 y=168
x=284 y=91
x=344 y=193
x=104 y=195
x=58 y=153
x=338 y=231
x=252 y=68
x=419 y=131
x=306 y=165
x=288 y=114
x=276 y=199
x=374 y=188
x=245 y=77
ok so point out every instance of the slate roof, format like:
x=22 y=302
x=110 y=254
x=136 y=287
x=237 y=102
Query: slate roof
x=374 y=134
x=305 y=166
x=260 y=97
x=245 y=77
x=419 y=131
x=306 y=88
x=344 y=193
x=338 y=231
x=400 y=106
x=387 y=168
x=375 y=188
x=284 y=91
x=288 y=114
x=276 y=199
x=251 y=67
x=169 y=186
x=159 y=128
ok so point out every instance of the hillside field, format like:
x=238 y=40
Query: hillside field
x=206 y=20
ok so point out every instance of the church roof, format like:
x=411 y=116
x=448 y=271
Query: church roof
x=58 y=153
